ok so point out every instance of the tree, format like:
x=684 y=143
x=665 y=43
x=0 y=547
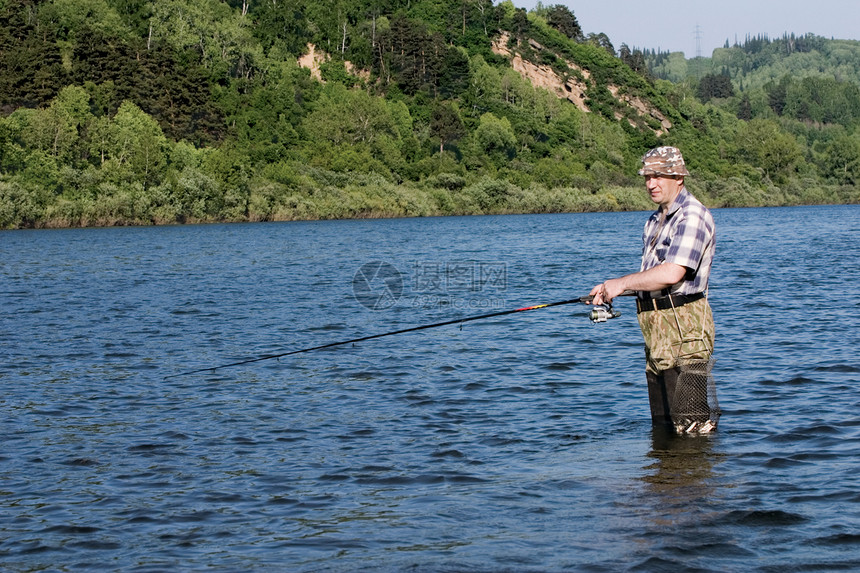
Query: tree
x=57 y=129
x=345 y=116
x=445 y=123
x=521 y=23
x=32 y=64
x=634 y=59
x=763 y=144
x=495 y=136
x=603 y=41
x=842 y=160
x=562 y=19
x=332 y=22
x=486 y=10
x=262 y=119
x=283 y=24
x=137 y=143
x=68 y=17
x=179 y=96
x=822 y=100
x=745 y=108
x=418 y=57
x=209 y=28
x=715 y=86
x=100 y=60
x=454 y=76
x=484 y=85
x=776 y=94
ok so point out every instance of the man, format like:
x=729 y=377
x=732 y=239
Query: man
x=672 y=304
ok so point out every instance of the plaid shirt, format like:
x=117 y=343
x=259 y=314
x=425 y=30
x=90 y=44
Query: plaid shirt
x=686 y=238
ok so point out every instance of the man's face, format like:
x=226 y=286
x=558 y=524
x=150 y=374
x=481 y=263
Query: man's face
x=663 y=189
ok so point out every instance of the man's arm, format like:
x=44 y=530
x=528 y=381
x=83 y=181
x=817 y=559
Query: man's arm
x=656 y=278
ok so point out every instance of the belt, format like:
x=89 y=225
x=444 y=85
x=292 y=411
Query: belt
x=666 y=302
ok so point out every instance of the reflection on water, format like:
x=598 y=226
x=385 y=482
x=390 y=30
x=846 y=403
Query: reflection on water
x=679 y=473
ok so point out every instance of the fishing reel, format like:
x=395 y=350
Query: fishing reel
x=602 y=313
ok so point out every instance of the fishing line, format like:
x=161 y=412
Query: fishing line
x=600 y=313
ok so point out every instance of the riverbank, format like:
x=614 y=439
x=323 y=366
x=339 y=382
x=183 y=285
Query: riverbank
x=354 y=196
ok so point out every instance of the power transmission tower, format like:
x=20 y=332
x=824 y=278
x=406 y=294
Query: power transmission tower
x=698 y=35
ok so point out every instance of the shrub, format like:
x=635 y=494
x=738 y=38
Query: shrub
x=19 y=207
x=489 y=193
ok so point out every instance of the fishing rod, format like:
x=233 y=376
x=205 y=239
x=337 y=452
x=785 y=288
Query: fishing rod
x=600 y=313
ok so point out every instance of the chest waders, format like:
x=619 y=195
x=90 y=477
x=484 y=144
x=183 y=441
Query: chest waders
x=679 y=346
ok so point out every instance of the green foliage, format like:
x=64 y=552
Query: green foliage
x=673 y=66
x=822 y=100
x=137 y=144
x=562 y=19
x=495 y=137
x=349 y=116
x=280 y=25
x=762 y=143
x=446 y=124
x=841 y=160
x=759 y=60
x=69 y=17
x=141 y=112
x=20 y=206
x=715 y=86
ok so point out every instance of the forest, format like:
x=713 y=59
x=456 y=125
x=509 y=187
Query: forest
x=136 y=112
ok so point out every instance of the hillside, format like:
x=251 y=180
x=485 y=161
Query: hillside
x=761 y=60
x=142 y=112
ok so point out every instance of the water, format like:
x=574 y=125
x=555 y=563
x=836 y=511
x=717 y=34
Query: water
x=520 y=443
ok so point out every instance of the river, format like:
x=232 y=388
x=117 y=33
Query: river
x=516 y=443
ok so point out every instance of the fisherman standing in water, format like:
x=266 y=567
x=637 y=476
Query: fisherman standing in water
x=672 y=304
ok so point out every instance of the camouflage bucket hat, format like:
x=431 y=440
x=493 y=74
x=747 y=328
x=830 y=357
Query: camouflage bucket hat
x=666 y=161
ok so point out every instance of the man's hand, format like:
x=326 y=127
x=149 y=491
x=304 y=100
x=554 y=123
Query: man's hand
x=606 y=291
x=656 y=278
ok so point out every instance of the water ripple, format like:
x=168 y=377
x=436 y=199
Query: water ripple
x=514 y=444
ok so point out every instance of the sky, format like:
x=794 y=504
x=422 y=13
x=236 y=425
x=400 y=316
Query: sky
x=703 y=25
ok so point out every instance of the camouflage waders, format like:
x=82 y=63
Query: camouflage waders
x=679 y=343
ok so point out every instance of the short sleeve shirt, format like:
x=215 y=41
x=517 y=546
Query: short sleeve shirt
x=685 y=238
